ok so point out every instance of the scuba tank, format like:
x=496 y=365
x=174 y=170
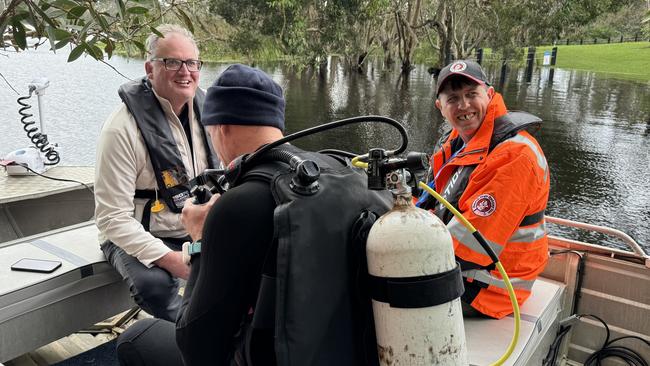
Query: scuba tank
x=415 y=283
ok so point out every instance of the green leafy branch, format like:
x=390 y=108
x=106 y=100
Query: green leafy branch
x=94 y=28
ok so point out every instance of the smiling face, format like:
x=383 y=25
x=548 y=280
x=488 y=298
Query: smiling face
x=464 y=104
x=178 y=86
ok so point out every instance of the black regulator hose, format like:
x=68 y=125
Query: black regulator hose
x=331 y=125
x=307 y=171
x=38 y=139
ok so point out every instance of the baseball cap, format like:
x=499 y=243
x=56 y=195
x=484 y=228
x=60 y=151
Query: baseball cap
x=467 y=68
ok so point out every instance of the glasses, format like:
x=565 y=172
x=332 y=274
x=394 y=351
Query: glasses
x=174 y=64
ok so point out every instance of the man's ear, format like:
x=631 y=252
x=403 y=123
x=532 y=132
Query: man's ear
x=490 y=92
x=224 y=130
x=437 y=103
x=148 y=68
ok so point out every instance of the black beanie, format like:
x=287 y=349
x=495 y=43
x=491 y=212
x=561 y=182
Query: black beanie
x=243 y=95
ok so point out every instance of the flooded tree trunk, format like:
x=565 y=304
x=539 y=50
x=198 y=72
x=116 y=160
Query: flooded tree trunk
x=407 y=38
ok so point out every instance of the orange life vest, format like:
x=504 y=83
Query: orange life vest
x=504 y=198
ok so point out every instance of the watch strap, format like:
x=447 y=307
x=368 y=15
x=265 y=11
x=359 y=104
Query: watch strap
x=189 y=249
x=194 y=248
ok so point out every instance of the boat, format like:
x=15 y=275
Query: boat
x=37 y=308
x=49 y=219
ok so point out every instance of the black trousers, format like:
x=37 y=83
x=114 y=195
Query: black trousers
x=149 y=342
x=153 y=289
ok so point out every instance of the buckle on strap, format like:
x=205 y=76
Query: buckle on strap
x=417 y=292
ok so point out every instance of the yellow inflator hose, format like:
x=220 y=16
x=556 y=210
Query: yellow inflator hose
x=511 y=291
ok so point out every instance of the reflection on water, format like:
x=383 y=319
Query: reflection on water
x=595 y=132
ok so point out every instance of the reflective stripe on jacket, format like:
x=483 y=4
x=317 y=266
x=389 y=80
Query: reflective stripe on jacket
x=508 y=186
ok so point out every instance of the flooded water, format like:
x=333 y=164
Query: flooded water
x=596 y=132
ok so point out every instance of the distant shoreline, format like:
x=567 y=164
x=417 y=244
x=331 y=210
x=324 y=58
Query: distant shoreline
x=629 y=61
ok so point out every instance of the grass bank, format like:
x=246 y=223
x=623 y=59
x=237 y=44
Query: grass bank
x=621 y=60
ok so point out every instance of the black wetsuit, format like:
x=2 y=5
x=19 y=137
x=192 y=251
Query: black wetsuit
x=237 y=236
x=221 y=290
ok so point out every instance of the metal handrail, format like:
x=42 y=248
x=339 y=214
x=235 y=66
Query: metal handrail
x=631 y=243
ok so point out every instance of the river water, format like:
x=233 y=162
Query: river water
x=596 y=132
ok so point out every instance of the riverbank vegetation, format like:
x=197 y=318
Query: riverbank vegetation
x=307 y=32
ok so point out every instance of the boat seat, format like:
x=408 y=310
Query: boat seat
x=38 y=308
x=488 y=339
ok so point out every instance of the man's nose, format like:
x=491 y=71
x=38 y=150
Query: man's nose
x=184 y=69
x=463 y=102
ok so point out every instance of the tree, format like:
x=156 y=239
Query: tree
x=360 y=29
x=407 y=15
x=457 y=26
x=646 y=20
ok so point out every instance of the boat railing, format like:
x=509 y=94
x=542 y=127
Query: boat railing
x=632 y=245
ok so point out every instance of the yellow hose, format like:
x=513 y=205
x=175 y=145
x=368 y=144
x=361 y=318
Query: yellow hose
x=499 y=266
x=359 y=164
x=504 y=275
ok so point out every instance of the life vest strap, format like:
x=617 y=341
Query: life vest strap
x=532 y=219
x=145 y=193
x=150 y=196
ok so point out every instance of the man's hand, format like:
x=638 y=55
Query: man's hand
x=193 y=216
x=173 y=263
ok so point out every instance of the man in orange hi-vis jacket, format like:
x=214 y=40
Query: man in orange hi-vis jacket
x=494 y=172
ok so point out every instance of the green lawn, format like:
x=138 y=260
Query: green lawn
x=621 y=60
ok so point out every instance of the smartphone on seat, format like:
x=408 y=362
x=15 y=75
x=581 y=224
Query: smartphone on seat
x=36 y=265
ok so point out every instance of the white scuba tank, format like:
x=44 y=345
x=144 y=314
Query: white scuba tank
x=410 y=242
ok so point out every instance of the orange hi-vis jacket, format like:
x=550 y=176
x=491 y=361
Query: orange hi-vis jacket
x=504 y=198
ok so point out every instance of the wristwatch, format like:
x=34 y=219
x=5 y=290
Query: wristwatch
x=190 y=249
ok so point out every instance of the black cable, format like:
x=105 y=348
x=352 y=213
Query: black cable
x=58 y=179
x=554 y=349
x=579 y=274
x=628 y=355
x=38 y=139
x=607 y=350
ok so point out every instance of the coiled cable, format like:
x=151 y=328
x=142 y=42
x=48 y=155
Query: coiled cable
x=622 y=353
x=37 y=138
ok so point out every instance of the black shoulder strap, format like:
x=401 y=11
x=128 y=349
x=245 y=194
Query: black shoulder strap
x=199 y=100
x=511 y=123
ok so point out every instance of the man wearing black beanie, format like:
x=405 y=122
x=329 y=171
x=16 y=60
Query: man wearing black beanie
x=269 y=230
x=244 y=110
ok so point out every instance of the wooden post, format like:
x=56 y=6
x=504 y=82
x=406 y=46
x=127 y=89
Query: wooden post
x=530 y=61
x=553 y=56
x=504 y=71
x=479 y=56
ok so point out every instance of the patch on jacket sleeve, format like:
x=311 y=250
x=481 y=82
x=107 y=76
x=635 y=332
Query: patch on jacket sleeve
x=484 y=205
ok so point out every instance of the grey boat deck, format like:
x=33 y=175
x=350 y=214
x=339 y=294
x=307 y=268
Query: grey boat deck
x=18 y=188
x=37 y=308
x=30 y=205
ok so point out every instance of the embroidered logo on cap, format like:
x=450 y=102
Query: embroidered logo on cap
x=484 y=205
x=459 y=66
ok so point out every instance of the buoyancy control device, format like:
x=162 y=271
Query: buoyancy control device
x=412 y=277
